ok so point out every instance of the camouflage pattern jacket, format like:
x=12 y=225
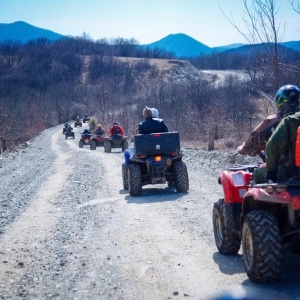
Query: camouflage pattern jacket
x=283 y=141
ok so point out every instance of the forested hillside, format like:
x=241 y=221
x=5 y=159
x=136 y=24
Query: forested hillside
x=45 y=83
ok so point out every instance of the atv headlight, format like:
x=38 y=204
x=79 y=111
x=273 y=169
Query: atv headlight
x=238 y=179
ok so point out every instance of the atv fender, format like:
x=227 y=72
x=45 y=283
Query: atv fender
x=235 y=185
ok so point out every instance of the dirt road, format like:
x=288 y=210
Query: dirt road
x=68 y=230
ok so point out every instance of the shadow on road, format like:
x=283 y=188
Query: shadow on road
x=287 y=288
x=154 y=195
x=229 y=264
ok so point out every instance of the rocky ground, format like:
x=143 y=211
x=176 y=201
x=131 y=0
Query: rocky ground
x=68 y=230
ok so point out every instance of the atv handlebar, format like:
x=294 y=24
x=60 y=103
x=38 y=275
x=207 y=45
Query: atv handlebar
x=262 y=155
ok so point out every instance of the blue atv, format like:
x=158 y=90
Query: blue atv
x=157 y=159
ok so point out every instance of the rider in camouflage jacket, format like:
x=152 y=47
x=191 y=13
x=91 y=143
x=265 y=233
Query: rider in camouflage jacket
x=287 y=101
x=258 y=138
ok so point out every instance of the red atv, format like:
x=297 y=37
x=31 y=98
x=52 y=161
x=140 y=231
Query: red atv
x=115 y=141
x=85 y=140
x=264 y=218
x=97 y=141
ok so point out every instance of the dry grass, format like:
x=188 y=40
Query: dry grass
x=159 y=63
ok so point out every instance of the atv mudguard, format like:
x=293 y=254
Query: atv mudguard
x=235 y=185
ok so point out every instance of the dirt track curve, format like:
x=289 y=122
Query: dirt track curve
x=68 y=230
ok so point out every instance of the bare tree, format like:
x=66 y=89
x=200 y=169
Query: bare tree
x=295 y=5
x=262 y=27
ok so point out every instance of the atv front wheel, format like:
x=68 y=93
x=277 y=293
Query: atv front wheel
x=181 y=177
x=93 y=145
x=125 y=176
x=124 y=146
x=262 y=250
x=107 y=146
x=226 y=234
x=134 y=179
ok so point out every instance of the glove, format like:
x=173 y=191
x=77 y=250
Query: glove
x=271 y=177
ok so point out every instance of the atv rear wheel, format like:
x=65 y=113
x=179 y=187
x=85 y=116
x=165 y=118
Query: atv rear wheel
x=93 y=145
x=134 y=179
x=125 y=176
x=80 y=144
x=227 y=238
x=124 y=146
x=181 y=177
x=262 y=250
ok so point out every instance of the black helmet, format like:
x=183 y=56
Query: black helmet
x=287 y=94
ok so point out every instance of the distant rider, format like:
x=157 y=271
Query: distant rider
x=86 y=132
x=116 y=129
x=99 y=131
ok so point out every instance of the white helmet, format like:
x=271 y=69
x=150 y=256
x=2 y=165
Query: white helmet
x=155 y=113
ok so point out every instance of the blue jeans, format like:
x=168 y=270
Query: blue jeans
x=128 y=153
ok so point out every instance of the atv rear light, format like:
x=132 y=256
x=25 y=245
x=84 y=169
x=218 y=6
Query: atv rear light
x=238 y=179
x=156 y=134
x=242 y=192
x=157 y=158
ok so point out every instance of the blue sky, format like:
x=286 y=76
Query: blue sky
x=145 y=20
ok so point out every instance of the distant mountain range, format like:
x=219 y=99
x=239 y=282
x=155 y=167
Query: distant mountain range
x=183 y=45
x=180 y=44
x=24 y=32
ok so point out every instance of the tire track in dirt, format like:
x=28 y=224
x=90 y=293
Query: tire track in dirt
x=35 y=224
